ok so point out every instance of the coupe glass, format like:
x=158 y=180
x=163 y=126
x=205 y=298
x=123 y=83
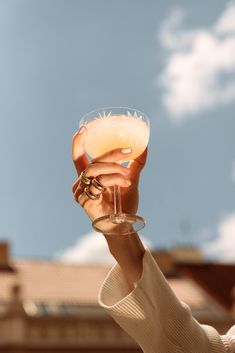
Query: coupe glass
x=107 y=129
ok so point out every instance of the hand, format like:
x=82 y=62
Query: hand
x=109 y=173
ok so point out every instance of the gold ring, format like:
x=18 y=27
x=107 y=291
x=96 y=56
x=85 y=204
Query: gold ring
x=84 y=178
x=90 y=194
x=98 y=185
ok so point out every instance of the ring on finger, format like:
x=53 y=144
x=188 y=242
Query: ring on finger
x=90 y=194
x=84 y=178
x=97 y=184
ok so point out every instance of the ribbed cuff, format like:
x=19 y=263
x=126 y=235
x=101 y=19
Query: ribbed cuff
x=229 y=342
x=127 y=307
x=115 y=287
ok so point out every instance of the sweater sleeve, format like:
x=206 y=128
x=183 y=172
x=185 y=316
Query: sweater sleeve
x=229 y=340
x=153 y=316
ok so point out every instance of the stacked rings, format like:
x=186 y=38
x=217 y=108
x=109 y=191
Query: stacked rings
x=85 y=179
x=98 y=185
x=91 y=181
x=90 y=194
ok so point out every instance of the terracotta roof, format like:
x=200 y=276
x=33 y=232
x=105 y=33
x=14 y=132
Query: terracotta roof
x=56 y=282
x=202 y=305
x=216 y=279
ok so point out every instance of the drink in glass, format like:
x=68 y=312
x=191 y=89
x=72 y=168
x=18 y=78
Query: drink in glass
x=108 y=129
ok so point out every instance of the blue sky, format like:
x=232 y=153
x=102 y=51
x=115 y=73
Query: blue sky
x=60 y=59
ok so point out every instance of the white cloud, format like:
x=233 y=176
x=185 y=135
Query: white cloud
x=223 y=247
x=171 y=35
x=90 y=249
x=226 y=23
x=197 y=59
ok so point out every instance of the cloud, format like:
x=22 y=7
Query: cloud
x=222 y=248
x=200 y=69
x=226 y=23
x=90 y=249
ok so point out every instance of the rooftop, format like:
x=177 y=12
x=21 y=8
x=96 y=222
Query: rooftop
x=54 y=288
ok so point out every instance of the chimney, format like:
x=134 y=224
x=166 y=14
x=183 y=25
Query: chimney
x=16 y=299
x=4 y=257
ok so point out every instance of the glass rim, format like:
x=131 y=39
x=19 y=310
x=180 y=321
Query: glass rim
x=115 y=107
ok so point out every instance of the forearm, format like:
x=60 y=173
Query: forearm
x=128 y=251
x=154 y=316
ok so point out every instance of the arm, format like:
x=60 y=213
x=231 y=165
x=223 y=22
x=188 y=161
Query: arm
x=153 y=316
x=135 y=293
x=128 y=252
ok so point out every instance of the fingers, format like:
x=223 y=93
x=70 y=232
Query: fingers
x=81 y=162
x=78 y=154
x=118 y=154
x=95 y=169
x=105 y=167
x=137 y=165
x=109 y=173
x=78 y=191
x=114 y=156
x=75 y=185
x=86 y=203
x=110 y=180
x=105 y=180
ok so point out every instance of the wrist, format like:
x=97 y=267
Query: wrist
x=125 y=248
x=128 y=251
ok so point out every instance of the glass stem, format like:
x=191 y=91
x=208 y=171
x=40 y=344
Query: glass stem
x=117 y=200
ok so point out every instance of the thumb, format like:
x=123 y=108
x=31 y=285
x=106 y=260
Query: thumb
x=137 y=165
x=78 y=153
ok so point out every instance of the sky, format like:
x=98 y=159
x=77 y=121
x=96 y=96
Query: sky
x=174 y=61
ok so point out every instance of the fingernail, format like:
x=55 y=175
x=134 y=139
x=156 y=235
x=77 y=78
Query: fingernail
x=81 y=130
x=126 y=150
x=128 y=182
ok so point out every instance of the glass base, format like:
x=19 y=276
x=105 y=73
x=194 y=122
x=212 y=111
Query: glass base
x=119 y=224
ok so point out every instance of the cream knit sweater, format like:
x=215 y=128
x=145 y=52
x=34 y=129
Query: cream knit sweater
x=153 y=316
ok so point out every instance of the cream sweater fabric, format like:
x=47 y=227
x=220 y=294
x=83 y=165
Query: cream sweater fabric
x=153 y=316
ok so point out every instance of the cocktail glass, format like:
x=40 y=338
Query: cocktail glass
x=108 y=129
